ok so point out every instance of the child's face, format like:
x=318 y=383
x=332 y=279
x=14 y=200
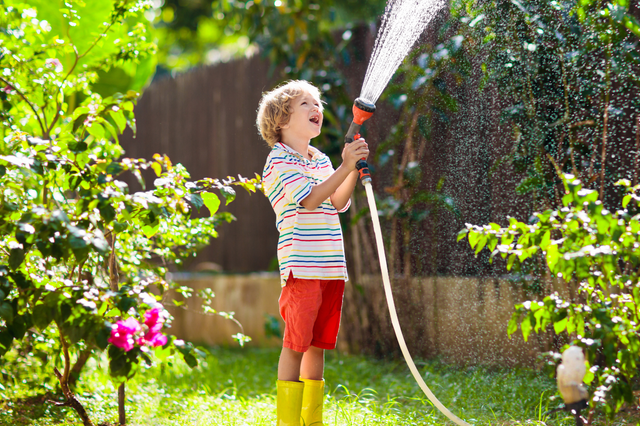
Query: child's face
x=306 y=120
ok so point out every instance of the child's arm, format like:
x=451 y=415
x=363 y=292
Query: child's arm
x=341 y=183
x=341 y=196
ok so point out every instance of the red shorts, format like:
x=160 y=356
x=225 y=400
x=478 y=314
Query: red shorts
x=311 y=310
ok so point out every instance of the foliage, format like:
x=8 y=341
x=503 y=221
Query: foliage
x=79 y=250
x=567 y=74
x=286 y=31
x=594 y=252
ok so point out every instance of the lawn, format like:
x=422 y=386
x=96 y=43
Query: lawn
x=237 y=387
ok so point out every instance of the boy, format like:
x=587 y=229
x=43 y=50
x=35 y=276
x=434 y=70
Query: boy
x=306 y=195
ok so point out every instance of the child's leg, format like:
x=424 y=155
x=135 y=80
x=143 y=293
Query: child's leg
x=312 y=366
x=289 y=365
x=311 y=371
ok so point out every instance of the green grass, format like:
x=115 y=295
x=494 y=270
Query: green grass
x=237 y=387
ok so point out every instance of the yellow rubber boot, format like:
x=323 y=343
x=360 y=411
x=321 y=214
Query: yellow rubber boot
x=289 y=403
x=312 y=402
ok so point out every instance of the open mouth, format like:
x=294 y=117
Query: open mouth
x=315 y=119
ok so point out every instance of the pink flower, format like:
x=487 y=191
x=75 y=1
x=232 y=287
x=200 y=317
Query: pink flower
x=155 y=340
x=154 y=322
x=54 y=63
x=152 y=316
x=125 y=334
x=7 y=89
x=122 y=333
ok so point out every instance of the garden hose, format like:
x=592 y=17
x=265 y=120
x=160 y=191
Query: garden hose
x=362 y=111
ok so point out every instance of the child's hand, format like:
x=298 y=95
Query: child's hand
x=353 y=152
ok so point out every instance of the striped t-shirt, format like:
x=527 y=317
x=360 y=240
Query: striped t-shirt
x=310 y=244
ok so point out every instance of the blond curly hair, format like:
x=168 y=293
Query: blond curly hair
x=275 y=109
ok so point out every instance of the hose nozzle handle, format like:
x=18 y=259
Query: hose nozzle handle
x=362 y=111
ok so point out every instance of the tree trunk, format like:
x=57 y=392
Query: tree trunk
x=78 y=366
x=71 y=399
x=122 y=416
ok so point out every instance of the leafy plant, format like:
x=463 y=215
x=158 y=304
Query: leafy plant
x=78 y=249
x=592 y=281
x=567 y=74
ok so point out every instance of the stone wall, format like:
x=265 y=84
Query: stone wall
x=459 y=320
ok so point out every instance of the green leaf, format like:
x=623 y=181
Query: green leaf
x=112 y=130
x=462 y=234
x=553 y=256
x=589 y=376
x=86 y=31
x=474 y=236
x=119 y=119
x=83 y=110
x=481 y=243
x=120 y=226
x=102 y=337
x=42 y=316
x=107 y=212
x=149 y=231
x=6 y=338
x=632 y=24
x=96 y=130
x=559 y=326
x=546 y=240
x=125 y=303
x=513 y=325
x=78 y=147
x=6 y=312
x=19 y=326
x=114 y=168
x=16 y=257
x=157 y=168
x=229 y=194
x=211 y=201
x=525 y=326
x=196 y=200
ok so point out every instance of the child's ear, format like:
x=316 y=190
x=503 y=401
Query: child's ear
x=284 y=126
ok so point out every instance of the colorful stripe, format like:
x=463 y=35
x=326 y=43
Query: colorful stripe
x=310 y=243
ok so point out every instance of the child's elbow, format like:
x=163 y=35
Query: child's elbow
x=309 y=204
x=338 y=205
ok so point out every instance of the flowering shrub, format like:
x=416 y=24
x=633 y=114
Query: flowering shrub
x=124 y=332
x=595 y=253
x=80 y=250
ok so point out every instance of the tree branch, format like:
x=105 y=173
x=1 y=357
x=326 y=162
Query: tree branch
x=28 y=103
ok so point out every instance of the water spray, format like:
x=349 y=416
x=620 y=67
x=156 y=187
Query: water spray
x=402 y=24
x=362 y=111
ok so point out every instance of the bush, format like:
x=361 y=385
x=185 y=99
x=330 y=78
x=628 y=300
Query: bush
x=79 y=250
x=597 y=253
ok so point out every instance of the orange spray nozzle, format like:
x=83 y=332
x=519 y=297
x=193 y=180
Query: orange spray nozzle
x=362 y=110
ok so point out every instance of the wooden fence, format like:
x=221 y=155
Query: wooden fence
x=204 y=119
